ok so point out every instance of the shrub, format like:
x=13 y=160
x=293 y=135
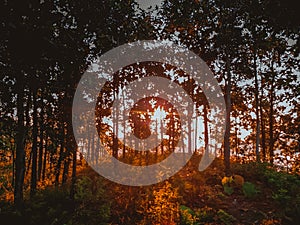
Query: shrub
x=187 y=216
x=206 y=215
x=92 y=204
x=228 y=190
x=249 y=190
x=162 y=207
x=282 y=196
x=225 y=218
x=226 y=182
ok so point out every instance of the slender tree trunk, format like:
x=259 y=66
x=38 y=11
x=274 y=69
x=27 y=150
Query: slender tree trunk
x=196 y=132
x=20 y=151
x=116 y=119
x=66 y=170
x=162 y=137
x=45 y=156
x=92 y=149
x=41 y=142
x=263 y=132
x=227 y=119
x=124 y=126
x=156 y=139
x=73 y=179
x=170 y=134
x=236 y=138
x=271 y=119
x=27 y=127
x=88 y=157
x=206 y=140
x=12 y=146
x=27 y=109
x=116 y=140
x=28 y=164
x=189 y=132
x=34 y=145
x=257 y=138
x=173 y=135
x=97 y=153
x=61 y=156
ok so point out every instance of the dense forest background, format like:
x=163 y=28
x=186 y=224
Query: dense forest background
x=252 y=47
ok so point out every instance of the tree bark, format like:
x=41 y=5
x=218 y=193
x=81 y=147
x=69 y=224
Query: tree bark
x=263 y=133
x=66 y=170
x=20 y=151
x=61 y=156
x=227 y=119
x=34 y=145
x=206 y=140
x=271 y=120
x=45 y=156
x=73 y=180
x=41 y=142
x=257 y=137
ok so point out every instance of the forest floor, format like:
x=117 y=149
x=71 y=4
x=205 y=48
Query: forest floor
x=189 y=197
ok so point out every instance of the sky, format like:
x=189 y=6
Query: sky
x=145 y=4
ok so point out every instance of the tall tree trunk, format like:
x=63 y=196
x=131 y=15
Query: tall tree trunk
x=34 y=144
x=61 y=155
x=72 y=146
x=257 y=137
x=189 y=131
x=263 y=132
x=156 y=139
x=88 y=156
x=92 y=149
x=73 y=179
x=20 y=151
x=196 y=132
x=206 y=140
x=27 y=127
x=271 y=119
x=227 y=119
x=41 y=142
x=236 y=138
x=12 y=146
x=116 y=119
x=27 y=110
x=45 y=156
x=124 y=126
x=170 y=134
x=116 y=140
x=162 y=137
x=66 y=169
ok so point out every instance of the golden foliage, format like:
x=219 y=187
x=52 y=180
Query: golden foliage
x=235 y=181
x=226 y=180
x=162 y=206
x=270 y=222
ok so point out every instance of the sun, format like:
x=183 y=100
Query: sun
x=159 y=114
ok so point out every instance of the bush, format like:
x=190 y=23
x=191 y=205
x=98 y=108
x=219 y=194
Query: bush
x=162 y=206
x=225 y=218
x=199 y=216
x=49 y=206
x=286 y=191
x=92 y=204
x=282 y=196
x=228 y=190
x=187 y=216
x=249 y=190
x=206 y=215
